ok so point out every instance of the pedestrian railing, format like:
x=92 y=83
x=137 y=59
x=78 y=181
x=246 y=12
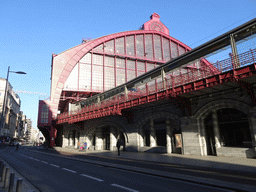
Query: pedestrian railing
x=171 y=81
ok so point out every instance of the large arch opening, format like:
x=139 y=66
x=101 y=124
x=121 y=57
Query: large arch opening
x=160 y=133
x=106 y=138
x=59 y=139
x=226 y=130
x=146 y=135
x=209 y=135
x=234 y=128
x=160 y=128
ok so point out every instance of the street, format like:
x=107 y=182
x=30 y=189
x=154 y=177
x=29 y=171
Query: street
x=51 y=173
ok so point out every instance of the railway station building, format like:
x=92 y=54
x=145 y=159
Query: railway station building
x=218 y=121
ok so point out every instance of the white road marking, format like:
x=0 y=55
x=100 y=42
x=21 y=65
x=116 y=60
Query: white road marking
x=69 y=170
x=91 y=177
x=54 y=165
x=173 y=179
x=128 y=189
x=44 y=162
x=36 y=159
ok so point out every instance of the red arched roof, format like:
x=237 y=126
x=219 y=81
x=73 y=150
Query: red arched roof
x=63 y=63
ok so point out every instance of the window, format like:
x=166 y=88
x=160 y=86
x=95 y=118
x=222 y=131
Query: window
x=131 y=64
x=120 y=46
x=174 y=49
x=141 y=66
x=72 y=81
x=139 y=46
x=130 y=45
x=120 y=76
x=85 y=76
x=181 y=50
x=158 y=48
x=130 y=75
x=109 y=47
x=109 y=78
x=166 y=51
x=149 y=46
x=44 y=114
x=86 y=59
x=97 y=78
x=120 y=63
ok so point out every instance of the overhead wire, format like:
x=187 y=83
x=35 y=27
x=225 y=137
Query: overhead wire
x=222 y=29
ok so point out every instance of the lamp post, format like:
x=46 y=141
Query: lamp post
x=5 y=95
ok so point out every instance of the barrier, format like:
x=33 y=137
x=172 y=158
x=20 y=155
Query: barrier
x=19 y=185
x=8 y=179
x=3 y=173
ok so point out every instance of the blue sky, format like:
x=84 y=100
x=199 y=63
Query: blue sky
x=30 y=31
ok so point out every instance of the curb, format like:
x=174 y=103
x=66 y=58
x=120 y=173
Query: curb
x=193 y=161
x=176 y=176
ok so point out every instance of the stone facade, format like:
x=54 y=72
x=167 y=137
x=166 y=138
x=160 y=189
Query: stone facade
x=191 y=125
x=12 y=109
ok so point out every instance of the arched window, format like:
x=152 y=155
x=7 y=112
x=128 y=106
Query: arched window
x=120 y=60
x=44 y=114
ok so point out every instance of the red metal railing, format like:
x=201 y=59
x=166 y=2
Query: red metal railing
x=170 y=83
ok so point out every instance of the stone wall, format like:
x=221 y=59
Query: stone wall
x=189 y=121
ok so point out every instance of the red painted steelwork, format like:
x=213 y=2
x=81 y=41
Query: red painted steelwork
x=175 y=86
x=71 y=57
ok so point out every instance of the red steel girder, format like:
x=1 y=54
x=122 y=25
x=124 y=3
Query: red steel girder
x=234 y=75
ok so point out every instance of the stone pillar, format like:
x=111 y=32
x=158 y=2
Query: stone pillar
x=99 y=140
x=82 y=138
x=87 y=140
x=141 y=138
x=52 y=136
x=190 y=136
x=118 y=133
x=76 y=139
x=112 y=139
x=132 y=144
x=168 y=136
x=252 y=121
x=152 y=133
x=216 y=129
x=65 y=141
x=203 y=137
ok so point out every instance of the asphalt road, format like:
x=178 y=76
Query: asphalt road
x=50 y=173
x=195 y=171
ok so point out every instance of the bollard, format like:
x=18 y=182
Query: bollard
x=1 y=170
x=1 y=162
x=3 y=173
x=19 y=185
x=7 y=177
x=11 y=185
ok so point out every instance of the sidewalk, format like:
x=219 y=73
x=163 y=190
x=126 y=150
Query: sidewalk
x=225 y=163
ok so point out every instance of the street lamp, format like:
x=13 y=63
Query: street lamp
x=5 y=93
